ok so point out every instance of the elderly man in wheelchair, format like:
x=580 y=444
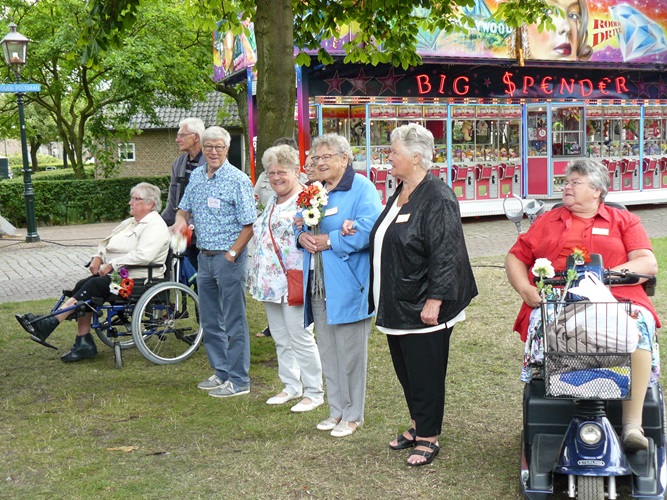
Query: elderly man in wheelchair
x=136 y=248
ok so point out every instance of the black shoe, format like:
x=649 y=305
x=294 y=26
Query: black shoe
x=39 y=329
x=84 y=347
x=264 y=333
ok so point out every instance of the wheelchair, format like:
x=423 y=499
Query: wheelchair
x=160 y=318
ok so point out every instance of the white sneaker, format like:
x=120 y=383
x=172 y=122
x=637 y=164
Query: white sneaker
x=302 y=407
x=227 y=390
x=213 y=382
x=280 y=400
x=328 y=424
x=345 y=429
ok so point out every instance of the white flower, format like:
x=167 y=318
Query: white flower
x=543 y=268
x=315 y=201
x=311 y=216
x=178 y=243
x=114 y=288
x=320 y=200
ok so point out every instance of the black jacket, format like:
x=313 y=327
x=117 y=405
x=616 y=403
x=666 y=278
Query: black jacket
x=423 y=258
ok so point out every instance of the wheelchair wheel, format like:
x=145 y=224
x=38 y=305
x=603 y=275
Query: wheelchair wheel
x=165 y=323
x=121 y=326
x=118 y=355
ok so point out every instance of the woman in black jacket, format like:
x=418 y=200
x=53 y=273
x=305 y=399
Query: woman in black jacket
x=422 y=283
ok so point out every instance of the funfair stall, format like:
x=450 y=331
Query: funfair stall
x=509 y=109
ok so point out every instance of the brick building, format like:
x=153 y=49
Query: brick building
x=153 y=150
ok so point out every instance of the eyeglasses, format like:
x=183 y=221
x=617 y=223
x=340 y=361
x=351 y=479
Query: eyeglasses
x=278 y=173
x=324 y=158
x=218 y=149
x=182 y=135
x=574 y=183
x=136 y=199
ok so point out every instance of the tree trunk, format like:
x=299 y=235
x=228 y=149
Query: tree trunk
x=276 y=77
x=34 y=146
x=240 y=94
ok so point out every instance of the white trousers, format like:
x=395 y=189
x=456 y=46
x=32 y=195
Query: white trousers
x=299 y=366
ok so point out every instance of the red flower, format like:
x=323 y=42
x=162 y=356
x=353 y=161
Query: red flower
x=304 y=198
x=580 y=253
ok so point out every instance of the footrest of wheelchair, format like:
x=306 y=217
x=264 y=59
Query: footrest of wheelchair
x=43 y=342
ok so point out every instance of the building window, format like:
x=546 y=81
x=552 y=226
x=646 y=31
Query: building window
x=126 y=151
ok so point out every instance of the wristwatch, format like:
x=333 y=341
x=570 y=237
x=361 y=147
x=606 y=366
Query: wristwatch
x=328 y=242
x=233 y=253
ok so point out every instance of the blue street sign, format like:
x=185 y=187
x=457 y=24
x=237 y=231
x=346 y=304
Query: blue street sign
x=15 y=88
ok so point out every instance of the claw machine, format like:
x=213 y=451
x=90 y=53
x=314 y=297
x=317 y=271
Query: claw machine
x=485 y=151
x=435 y=119
x=652 y=147
x=554 y=136
x=382 y=119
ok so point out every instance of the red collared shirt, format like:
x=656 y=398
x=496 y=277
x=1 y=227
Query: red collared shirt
x=613 y=234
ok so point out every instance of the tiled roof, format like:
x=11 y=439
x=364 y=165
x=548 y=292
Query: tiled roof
x=206 y=110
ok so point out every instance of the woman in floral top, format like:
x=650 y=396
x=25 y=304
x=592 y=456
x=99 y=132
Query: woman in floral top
x=299 y=366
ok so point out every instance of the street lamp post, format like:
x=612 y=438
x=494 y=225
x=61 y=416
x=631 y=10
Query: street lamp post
x=15 y=49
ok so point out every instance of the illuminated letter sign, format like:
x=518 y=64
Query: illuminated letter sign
x=423 y=84
x=458 y=90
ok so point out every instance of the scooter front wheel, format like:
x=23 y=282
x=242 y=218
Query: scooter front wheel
x=590 y=488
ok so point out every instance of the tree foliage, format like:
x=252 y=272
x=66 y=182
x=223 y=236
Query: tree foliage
x=160 y=61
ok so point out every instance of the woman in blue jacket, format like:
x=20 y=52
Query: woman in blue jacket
x=338 y=303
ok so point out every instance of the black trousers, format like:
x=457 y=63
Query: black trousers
x=93 y=286
x=420 y=363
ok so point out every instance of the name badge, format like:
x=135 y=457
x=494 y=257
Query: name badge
x=402 y=218
x=213 y=203
x=603 y=231
x=330 y=211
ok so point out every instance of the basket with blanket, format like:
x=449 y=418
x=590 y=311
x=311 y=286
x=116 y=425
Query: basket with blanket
x=587 y=349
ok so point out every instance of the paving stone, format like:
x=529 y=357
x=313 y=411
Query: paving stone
x=30 y=271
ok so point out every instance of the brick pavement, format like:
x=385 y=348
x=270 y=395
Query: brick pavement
x=31 y=271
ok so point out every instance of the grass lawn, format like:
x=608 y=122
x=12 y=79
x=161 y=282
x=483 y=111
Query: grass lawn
x=87 y=430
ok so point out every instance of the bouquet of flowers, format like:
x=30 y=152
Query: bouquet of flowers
x=544 y=270
x=312 y=201
x=121 y=283
x=180 y=242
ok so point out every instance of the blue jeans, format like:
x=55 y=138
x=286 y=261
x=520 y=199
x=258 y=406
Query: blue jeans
x=222 y=303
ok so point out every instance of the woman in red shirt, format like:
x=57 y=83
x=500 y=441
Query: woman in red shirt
x=585 y=221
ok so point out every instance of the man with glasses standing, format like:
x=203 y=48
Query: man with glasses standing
x=219 y=200
x=188 y=139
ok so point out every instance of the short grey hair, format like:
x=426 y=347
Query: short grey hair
x=416 y=140
x=149 y=192
x=283 y=155
x=336 y=142
x=597 y=173
x=285 y=140
x=216 y=133
x=193 y=125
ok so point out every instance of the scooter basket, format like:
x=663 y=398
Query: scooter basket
x=588 y=348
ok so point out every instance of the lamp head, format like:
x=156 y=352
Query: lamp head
x=14 y=49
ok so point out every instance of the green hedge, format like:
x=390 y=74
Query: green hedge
x=43 y=161
x=62 y=174
x=60 y=202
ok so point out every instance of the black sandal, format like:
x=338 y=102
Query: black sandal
x=403 y=442
x=429 y=455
